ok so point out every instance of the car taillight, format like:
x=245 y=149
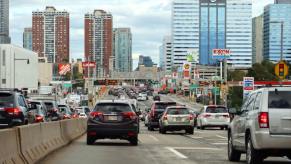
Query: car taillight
x=38 y=118
x=95 y=114
x=13 y=111
x=263 y=120
x=191 y=117
x=130 y=115
x=152 y=113
x=206 y=115
x=165 y=117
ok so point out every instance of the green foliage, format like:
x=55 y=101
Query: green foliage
x=263 y=71
x=235 y=97
x=236 y=75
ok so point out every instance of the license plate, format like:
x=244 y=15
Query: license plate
x=217 y=116
x=112 y=118
x=178 y=119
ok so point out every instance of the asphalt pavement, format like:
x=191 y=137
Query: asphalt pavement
x=204 y=147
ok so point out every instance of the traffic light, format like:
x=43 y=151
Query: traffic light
x=281 y=70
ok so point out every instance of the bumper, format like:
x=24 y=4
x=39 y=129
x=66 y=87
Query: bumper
x=263 y=140
x=154 y=124
x=112 y=132
x=177 y=127
x=214 y=124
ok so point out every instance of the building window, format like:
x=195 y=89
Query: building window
x=3 y=81
x=4 y=58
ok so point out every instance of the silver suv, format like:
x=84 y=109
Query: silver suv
x=262 y=127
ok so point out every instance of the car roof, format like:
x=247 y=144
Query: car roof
x=113 y=101
x=179 y=106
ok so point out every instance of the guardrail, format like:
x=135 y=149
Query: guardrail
x=30 y=143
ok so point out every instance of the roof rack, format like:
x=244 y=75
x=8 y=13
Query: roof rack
x=11 y=89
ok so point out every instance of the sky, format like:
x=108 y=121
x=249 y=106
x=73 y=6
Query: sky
x=149 y=20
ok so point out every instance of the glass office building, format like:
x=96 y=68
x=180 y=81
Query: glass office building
x=212 y=29
x=274 y=15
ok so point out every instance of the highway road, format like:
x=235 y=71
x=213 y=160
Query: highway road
x=204 y=147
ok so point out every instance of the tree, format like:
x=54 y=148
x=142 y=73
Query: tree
x=263 y=71
x=235 y=95
x=236 y=75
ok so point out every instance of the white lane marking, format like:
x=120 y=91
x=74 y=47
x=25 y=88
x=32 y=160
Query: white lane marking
x=219 y=136
x=154 y=138
x=195 y=137
x=180 y=155
x=219 y=143
x=195 y=148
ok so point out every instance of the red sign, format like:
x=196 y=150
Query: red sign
x=88 y=64
x=186 y=74
x=64 y=69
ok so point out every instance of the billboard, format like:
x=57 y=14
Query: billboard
x=248 y=85
x=221 y=53
x=88 y=64
x=64 y=68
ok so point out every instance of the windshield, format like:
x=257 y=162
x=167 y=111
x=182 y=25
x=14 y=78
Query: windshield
x=216 y=110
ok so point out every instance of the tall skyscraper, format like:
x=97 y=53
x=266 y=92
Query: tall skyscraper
x=4 y=22
x=277 y=18
x=204 y=25
x=98 y=40
x=185 y=29
x=27 y=38
x=166 y=53
x=239 y=32
x=258 y=39
x=122 y=51
x=146 y=61
x=51 y=34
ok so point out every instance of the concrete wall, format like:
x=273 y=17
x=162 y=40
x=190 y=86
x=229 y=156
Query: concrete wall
x=45 y=73
x=18 y=67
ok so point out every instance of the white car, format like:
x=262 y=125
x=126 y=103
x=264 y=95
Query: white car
x=213 y=116
x=141 y=98
x=83 y=115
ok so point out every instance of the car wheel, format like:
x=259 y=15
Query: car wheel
x=150 y=128
x=134 y=141
x=253 y=156
x=202 y=127
x=163 y=130
x=222 y=128
x=289 y=156
x=190 y=130
x=90 y=141
x=233 y=155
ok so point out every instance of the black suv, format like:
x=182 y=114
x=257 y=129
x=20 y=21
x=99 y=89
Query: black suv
x=113 y=119
x=156 y=112
x=13 y=108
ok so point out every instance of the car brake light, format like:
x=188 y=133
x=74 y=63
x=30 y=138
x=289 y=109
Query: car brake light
x=13 y=111
x=263 y=120
x=191 y=117
x=95 y=114
x=165 y=117
x=38 y=118
x=206 y=115
x=130 y=115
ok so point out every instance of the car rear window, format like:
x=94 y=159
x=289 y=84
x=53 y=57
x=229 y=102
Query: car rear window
x=112 y=107
x=178 y=111
x=49 y=105
x=164 y=105
x=6 y=100
x=216 y=110
x=279 y=99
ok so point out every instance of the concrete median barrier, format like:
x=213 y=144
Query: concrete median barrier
x=51 y=136
x=31 y=143
x=71 y=130
x=10 y=147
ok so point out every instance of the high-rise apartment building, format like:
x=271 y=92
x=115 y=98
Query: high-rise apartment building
x=27 y=38
x=146 y=61
x=122 y=49
x=4 y=22
x=51 y=34
x=277 y=26
x=203 y=25
x=185 y=29
x=257 y=39
x=98 y=40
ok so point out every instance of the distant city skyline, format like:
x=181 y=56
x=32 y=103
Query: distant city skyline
x=148 y=23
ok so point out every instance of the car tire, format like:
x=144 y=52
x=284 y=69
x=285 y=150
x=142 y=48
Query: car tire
x=134 y=141
x=253 y=156
x=202 y=127
x=233 y=154
x=190 y=130
x=150 y=128
x=163 y=130
x=90 y=141
x=222 y=128
x=289 y=156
